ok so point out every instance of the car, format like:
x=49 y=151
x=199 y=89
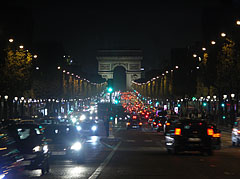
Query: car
x=160 y=123
x=236 y=133
x=170 y=122
x=32 y=145
x=134 y=122
x=88 y=127
x=10 y=157
x=191 y=135
x=65 y=142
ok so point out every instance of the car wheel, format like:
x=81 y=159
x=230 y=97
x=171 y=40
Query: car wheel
x=233 y=144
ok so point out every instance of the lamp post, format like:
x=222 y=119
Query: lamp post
x=5 y=107
x=232 y=110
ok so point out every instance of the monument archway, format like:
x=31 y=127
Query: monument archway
x=108 y=60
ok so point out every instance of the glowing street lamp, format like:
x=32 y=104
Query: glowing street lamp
x=21 y=46
x=232 y=95
x=176 y=67
x=194 y=55
x=223 y=34
x=213 y=42
x=6 y=97
x=224 y=96
x=204 y=49
x=238 y=22
x=35 y=56
x=10 y=40
x=58 y=67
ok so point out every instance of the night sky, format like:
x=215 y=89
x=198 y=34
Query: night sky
x=82 y=28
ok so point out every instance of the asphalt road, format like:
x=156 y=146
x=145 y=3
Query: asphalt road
x=141 y=154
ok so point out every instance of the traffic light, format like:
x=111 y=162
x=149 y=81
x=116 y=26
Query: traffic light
x=179 y=105
x=111 y=118
x=223 y=105
x=110 y=86
x=204 y=104
x=110 y=89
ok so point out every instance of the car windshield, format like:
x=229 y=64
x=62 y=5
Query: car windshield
x=54 y=131
x=26 y=132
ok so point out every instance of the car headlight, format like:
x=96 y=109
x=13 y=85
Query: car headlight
x=2 y=176
x=76 y=146
x=79 y=128
x=82 y=117
x=96 y=117
x=45 y=148
x=37 y=149
x=90 y=117
x=74 y=119
x=94 y=128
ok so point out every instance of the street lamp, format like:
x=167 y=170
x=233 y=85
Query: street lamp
x=35 y=56
x=58 y=67
x=204 y=49
x=10 y=40
x=224 y=96
x=232 y=95
x=21 y=46
x=6 y=97
x=238 y=22
x=194 y=55
x=176 y=67
x=213 y=42
x=223 y=34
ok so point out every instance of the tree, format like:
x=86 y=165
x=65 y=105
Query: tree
x=16 y=72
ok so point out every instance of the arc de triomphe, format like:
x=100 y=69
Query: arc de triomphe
x=108 y=60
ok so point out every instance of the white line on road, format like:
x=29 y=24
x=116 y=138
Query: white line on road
x=98 y=171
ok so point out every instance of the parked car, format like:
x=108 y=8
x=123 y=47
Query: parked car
x=191 y=135
x=32 y=145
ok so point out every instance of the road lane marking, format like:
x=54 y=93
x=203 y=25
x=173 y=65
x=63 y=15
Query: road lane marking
x=98 y=171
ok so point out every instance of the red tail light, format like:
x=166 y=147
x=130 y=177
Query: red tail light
x=154 y=123
x=210 y=132
x=217 y=135
x=134 y=117
x=140 y=123
x=160 y=124
x=167 y=124
x=146 y=116
x=177 y=131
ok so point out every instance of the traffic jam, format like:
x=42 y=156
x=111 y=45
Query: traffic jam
x=180 y=133
x=30 y=144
